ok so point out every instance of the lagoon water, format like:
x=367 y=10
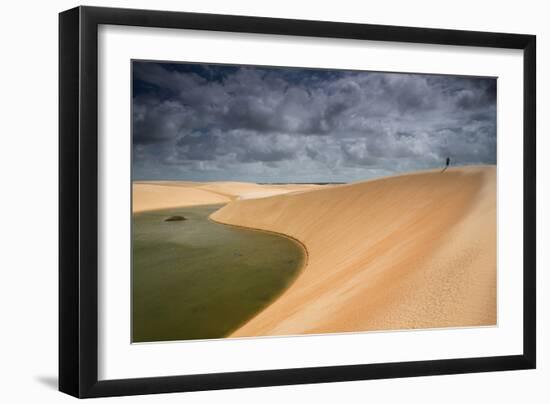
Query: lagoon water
x=197 y=279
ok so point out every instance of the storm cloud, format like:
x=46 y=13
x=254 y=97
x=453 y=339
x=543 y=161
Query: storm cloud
x=263 y=124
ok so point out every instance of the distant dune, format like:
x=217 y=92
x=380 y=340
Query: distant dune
x=410 y=251
x=154 y=195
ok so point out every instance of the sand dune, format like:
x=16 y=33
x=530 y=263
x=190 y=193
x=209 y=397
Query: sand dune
x=153 y=196
x=411 y=251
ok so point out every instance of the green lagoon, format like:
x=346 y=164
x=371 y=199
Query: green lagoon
x=196 y=279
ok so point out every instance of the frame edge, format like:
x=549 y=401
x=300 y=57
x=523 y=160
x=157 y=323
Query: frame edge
x=69 y=82
x=529 y=201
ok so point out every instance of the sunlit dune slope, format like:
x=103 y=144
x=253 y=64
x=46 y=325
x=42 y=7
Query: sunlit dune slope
x=410 y=251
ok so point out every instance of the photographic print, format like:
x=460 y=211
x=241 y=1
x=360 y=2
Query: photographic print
x=283 y=201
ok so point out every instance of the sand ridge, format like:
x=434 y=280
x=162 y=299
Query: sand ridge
x=155 y=195
x=409 y=251
x=246 y=190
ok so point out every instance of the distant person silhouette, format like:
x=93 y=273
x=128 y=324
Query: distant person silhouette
x=447 y=162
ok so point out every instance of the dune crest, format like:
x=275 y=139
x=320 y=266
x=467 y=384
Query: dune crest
x=249 y=190
x=410 y=251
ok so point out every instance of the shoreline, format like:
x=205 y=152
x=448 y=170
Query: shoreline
x=299 y=272
x=301 y=269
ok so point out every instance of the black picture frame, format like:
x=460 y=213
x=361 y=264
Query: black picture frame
x=78 y=201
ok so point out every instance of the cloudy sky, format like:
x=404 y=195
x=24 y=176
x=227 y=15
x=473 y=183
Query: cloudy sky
x=208 y=122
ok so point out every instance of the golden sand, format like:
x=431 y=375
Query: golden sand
x=410 y=251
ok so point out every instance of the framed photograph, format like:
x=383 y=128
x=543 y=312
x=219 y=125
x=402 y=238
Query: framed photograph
x=250 y=201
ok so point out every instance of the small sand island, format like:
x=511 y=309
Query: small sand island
x=175 y=218
x=415 y=250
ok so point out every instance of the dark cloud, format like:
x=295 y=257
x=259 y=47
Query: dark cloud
x=213 y=122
